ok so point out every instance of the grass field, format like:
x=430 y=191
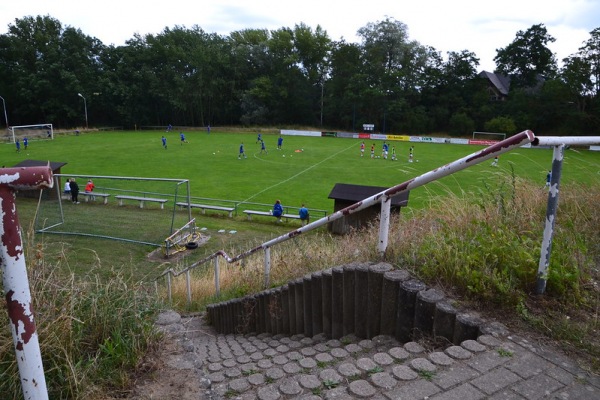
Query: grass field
x=211 y=164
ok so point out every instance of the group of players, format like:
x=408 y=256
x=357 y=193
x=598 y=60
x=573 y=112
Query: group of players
x=385 y=151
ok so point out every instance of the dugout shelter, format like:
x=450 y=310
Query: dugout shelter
x=345 y=195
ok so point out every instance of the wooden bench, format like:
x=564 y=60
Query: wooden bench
x=141 y=200
x=92 y=196
x=250 y=213
x=205 y=207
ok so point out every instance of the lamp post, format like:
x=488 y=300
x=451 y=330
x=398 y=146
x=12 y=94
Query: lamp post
x=85 y=107
x=5 y=117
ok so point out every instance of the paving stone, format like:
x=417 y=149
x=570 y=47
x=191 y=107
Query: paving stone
x=353 y=348
x=462 y=392
x=440 y=358
x=264 y=364
x=213 y=367
x=489 y=340
x=261 y=345
x=294 y=344
x=309 y=382
x=239 y=385
x=540 y=386
x=473 y=346
x=263 y=336
x=321 y=347
x=453 y=376
x=280 y=360
x=419 y=389
x=229 y=363
x=333 y=343
x=348 y=370
x=527 y=365
x=399 y=353
x=256 y=379
x=292 y=368
x=294 y=355
x=324 y=358
x=488 y=360
x=361 y=389
x=339 y=393
x=257 y=356
x=383 y=359
x=309 y=397
x=330 y=375
x=307 y=341
x=290 y=387
x=249 y=368
x=282 y=348
x=560 y=375
x=308 y=351
x=423 y=365
x=232 y=372
x=216 y=377
x=270 y=352
x=365 y=364
x=366 y=344
x=494 y=381
x=404 y=373
x=339 y=353
x=268 y=393
x=243 y=359
x=414 y=347
x=458 y=353
x=274 y=373
x=307 y=363
x=273 y=343
x=383 y=380
x=285 y=340
x=250 y=348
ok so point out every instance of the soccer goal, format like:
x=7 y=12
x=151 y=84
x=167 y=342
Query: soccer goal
x=128 y=209
x=41 y=131
x=489 y=136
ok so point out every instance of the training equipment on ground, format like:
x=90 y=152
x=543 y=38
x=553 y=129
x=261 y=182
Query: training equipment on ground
x=41 y=131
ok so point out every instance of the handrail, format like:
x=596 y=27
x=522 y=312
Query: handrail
x=382 y=197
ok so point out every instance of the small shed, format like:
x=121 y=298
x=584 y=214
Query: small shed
x=345 y=195
x=55 y=166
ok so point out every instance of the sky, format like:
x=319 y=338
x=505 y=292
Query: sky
x=478 y=26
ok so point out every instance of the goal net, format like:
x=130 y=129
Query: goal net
x=41 y=131
x=113 y=210
x=489 y=136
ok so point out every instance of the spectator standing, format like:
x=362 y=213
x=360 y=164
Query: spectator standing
x=67 y=189
x=74 y=191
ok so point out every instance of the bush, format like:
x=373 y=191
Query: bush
x=501 y=125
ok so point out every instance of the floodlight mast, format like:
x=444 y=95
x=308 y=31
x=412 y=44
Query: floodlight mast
x=85 y=108
x=5 y=117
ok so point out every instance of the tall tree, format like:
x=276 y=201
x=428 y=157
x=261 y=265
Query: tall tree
x=527 y=57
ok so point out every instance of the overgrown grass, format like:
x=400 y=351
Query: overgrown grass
x=92 y=333
x=483 y=248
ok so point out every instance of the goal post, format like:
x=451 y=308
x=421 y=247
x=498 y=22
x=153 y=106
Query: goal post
x=38 y=131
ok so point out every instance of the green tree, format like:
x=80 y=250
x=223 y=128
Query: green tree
x=527 y=57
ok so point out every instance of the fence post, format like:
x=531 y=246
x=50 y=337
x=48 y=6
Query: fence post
x=267 y=266
x=188 y=285
x=217 y=277
x=542 y=275
x=384 y=225
x=16 y=282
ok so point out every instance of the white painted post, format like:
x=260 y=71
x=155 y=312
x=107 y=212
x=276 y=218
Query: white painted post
x=267 y=266
x=188 y=286
x=217 y=278
x=16 y=282
x=384 y=225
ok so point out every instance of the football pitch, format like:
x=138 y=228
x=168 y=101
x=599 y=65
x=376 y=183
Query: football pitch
x=303 y=171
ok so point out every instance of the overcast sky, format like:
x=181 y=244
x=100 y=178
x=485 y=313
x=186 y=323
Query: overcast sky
x=474 y=25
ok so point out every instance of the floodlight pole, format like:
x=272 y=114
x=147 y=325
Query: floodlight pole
x=5 y=117
x=85 y=107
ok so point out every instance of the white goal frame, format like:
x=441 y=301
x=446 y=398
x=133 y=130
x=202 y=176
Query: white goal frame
x=46 y=128
x=502 y=136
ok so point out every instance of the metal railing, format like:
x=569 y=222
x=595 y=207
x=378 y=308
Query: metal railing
x=384 y=198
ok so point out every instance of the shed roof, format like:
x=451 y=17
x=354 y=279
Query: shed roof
x=356 y=193
x=54 y=165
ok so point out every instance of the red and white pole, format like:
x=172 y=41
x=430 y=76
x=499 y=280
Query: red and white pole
x=16 y=283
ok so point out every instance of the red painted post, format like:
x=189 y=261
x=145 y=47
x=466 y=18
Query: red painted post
x=16 y=283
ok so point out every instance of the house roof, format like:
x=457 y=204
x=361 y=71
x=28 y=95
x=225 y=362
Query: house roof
x=356 y=193
x=54 y=165
x=500 y=82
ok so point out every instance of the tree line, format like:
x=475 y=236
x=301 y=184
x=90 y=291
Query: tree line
x=293 y=77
